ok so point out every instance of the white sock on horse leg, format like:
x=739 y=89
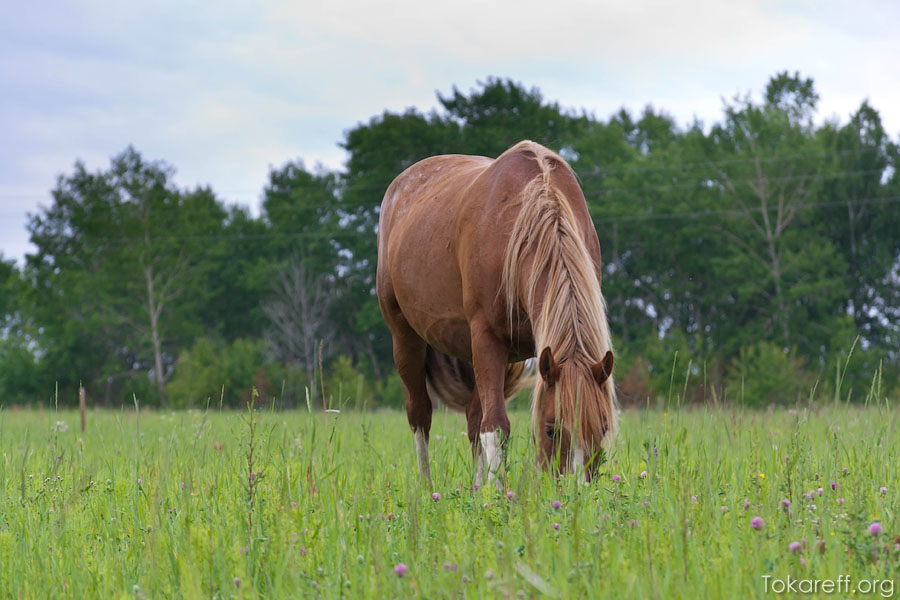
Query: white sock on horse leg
x=422 y=453
x=490 y=446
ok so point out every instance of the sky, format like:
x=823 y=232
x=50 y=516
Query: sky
x=225 y=91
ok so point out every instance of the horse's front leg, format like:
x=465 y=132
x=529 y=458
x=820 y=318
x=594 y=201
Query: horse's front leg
x=490 y=357
x=473 y=420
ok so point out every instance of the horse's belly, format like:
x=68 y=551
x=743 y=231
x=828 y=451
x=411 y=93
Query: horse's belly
x=450 y=337
x=436 y=314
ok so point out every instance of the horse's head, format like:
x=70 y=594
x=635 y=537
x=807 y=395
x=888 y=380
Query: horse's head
x=574 y=412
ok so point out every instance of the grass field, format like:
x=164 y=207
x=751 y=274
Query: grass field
x=162 y=505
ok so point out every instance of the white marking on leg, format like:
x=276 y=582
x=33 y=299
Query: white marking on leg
x=422 y=453
x=490 y=444
x=577 y=459
x=479 y=467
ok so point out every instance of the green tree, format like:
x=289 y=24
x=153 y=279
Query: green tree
x=501 y=113
x=120 y=272
x=862 y=217
x=19 y=364
x=10 y=283
x=783 y=272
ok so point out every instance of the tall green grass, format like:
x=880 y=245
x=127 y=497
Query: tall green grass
x=159 y=505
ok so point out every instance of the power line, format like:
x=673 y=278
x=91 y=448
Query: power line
x=341 y=233
x=602 y=172
x=712 y=164
x=704 y=184
x=742 y=213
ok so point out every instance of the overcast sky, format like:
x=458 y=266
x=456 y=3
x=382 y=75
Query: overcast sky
x=224 y=90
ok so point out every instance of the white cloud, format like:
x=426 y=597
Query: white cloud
x=223 y=94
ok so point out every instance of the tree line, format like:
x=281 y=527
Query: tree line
x=753 y=260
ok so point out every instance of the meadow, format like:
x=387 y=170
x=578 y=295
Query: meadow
x=701 y=502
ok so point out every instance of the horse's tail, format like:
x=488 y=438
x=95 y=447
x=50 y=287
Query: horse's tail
x=452 y=381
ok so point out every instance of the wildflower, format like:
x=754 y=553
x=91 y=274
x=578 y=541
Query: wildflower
x=435 y=496
x=840 y=500
x=693 y=498
x=633 y=523
x=645 y=504
x=846 y=470
x=556 y=504
x=723 y=508
x=875 y=528
x=816 y=476
x=245 y=549
x=401 y=569
x=510 y=495
x=762 y=475
x=60 y=426
x=140 y=480
x=786 y=505
x=303 y=550
x=361 y=517
x=883 y=490
x=448 y=566
x=556 y=526
x=643 y=474
x=616 y=478
x=820 y=491
x=293 y=505
x=834 y=485
x=802 y=561
x=237 y=582
x=795 y=548
x=821 y=546
x=746 y=504
x=757 y=523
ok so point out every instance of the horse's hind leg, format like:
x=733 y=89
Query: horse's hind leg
x=409 y=357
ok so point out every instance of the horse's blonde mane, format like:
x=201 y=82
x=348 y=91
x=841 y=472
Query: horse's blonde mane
x=571 y=315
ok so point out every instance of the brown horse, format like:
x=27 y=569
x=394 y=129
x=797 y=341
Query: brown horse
x=480 y=263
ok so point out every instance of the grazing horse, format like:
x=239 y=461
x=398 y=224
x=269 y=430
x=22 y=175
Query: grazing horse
x=481 y=263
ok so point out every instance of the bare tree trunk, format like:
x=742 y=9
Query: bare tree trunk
x=154 y=308
x=299 y=318
x=770 y=230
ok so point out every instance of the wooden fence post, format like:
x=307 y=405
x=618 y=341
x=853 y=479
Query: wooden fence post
x=82 y=405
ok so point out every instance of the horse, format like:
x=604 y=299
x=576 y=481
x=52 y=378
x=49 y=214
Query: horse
x=481 y=262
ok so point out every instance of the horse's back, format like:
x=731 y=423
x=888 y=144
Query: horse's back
x=443 y=230
x=418 y=273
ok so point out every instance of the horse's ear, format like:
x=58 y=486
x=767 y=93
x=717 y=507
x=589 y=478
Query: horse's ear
x=548 y=367
x=603 y=369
